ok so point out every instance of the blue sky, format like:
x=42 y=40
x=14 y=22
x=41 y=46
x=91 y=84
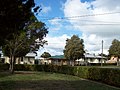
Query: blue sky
x=55 y=11
x=93 y=29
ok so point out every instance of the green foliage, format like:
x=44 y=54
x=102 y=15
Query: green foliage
x=82 y=72
x=94 y=74
x=20 y=31
x=36 y=31
x=106 y=75
x=4 y=67
x=18 y=46
x=14 y=15
x=115 y=48
x=28 y=80
x=74 y=48
x=109 y=76
x=45 y=55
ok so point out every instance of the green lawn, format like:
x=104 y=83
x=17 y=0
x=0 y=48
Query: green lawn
x=47 y=81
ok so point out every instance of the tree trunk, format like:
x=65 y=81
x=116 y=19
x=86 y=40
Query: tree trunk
x=117 y=61
x=73 y=62
x=12 y=61
x=85 y=61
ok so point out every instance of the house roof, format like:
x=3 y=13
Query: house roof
x=1 y=53
x=31 y=54
x=86 y=56
x=93 y=56
x=57 y=57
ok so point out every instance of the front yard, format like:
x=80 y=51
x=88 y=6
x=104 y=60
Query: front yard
x=47 y=81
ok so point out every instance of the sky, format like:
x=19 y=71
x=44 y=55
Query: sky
x=91 y=20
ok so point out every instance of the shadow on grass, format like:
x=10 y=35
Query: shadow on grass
x=5 y=74
x=53 y=85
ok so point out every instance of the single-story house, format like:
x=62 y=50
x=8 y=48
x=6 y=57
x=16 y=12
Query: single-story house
x=113 y=59
x=29 y=58
x=58 y=60
x=44 y=61
x=2 y=59
x=91 y=58
x=54 y=60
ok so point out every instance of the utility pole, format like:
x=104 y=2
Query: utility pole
x=102 y=54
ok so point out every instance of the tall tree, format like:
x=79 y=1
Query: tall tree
x=16 y=18
x=18 y=46
x=114 y=50
x=46 y=55
x=74 y=48
x=24 y=42
x=14 y=15
x=36 y=31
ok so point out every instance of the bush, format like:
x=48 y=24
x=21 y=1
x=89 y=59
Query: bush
x=83 y=72
x=94 y=74
x=4 y=67
x=109 y=76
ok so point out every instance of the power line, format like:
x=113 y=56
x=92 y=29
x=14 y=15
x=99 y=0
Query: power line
x=97 y=24
x=72 y=17
x=92 y=24
x=87 y=22
x=96 y=21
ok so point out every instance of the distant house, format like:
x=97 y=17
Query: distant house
x=29 y=58
x=58 y=60
x=91 y=58
x=2 y=58
x=113 y=59
x=44 y=61
x=54 y=60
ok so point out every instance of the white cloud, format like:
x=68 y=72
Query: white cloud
x=110 y=5
x=55 y=23
x=93 y=27
x=55 y=45
x=45 y=10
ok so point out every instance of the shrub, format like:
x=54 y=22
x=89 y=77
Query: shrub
x=107 y=75
x=94 y=74
x=4 y=67
x=83 y=72
x=110 y=76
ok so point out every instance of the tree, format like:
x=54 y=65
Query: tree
x=114 y=49
x=14 y=15
x=20 y=31
x=45 y=55
x=74 y=48
x=36 y=31
x=27 y=41
x=18 y=46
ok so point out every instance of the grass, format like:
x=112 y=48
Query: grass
x=47 y=81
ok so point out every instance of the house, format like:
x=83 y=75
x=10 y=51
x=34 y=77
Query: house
x=113 y=59
x=2 y=59
x=91 y=58
x=54 y=60
x=58 y=60
x=44 y=61
x=29 y=58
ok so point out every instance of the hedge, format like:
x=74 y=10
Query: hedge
x=104 y=64
x=109 y=76
x=4 y=67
